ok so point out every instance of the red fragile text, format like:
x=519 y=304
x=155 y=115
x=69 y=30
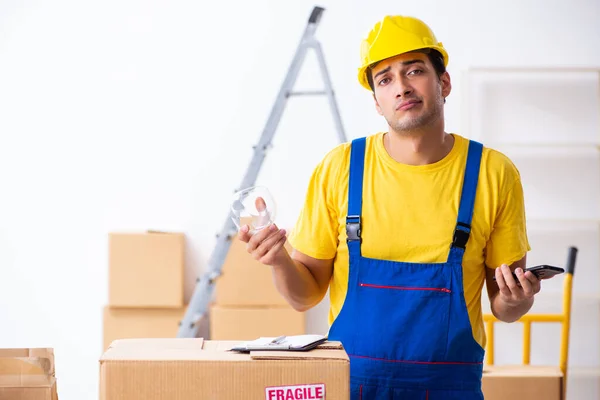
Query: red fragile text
x=300 y=392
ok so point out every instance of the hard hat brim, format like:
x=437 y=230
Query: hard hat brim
x=363 y=70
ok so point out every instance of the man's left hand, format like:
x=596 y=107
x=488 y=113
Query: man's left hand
x=515 y=292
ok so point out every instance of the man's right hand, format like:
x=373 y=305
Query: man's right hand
x=267 y=245
x=301 y=280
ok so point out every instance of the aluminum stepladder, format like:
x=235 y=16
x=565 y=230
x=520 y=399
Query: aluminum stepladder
x=198 y=305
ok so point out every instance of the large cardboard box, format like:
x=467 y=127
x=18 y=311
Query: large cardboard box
x=27 y=374
x=501 y=382
x=248 y=323
x=146 y=269
x=127 y=323
x=192 y=369
x=245 y=281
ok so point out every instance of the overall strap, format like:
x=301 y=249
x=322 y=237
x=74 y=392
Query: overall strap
x=355 y=189
x=467 y=202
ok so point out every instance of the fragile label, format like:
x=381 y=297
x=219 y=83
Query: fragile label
x=296 y=392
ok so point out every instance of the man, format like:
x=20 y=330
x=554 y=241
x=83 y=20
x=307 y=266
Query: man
x=404 y=227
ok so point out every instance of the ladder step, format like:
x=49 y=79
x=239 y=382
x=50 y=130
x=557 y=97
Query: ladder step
x=307 y=93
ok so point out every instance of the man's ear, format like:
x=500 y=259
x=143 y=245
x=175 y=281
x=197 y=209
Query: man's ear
x=446 y=84
x=377 y=107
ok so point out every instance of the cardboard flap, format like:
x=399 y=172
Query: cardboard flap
x=26 y=367
x=38 y=361
x=157 y=232
x=333 y=345
x=156 y=349
x=161 y=343
x=521 y=371
x=325 y=351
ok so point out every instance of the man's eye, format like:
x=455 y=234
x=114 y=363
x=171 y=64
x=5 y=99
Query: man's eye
x=415 y=72
x=384 y=81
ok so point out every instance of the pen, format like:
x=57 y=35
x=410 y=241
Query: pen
x=278 y=340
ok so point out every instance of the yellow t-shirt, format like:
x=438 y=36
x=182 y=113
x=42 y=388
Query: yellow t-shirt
x=409 y=214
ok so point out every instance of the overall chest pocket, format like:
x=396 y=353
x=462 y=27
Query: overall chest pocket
x=403 y=321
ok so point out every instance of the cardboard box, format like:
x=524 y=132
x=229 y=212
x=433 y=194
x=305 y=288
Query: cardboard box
x=244 y=281
x=126 y=323
x=192 y=369
x=146 y=269
x=501 y=382
x=248 y=323
x=27 y=374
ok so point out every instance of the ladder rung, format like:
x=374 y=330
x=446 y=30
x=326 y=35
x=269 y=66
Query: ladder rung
x=307 y=93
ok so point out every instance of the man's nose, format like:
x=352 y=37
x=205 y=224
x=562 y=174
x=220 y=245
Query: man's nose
x=403 y=88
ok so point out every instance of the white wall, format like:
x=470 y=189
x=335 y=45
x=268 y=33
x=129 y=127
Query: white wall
x=130 y=115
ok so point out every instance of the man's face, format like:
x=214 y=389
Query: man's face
x=408 y=92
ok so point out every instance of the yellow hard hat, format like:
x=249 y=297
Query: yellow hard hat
x=394 y=35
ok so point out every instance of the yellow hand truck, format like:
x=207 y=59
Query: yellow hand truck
x=563 y=318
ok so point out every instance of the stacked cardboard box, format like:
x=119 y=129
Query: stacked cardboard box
x=186 y=369
x=247 y=305
x=146 y=288
x=531 y=382
x=27 y=374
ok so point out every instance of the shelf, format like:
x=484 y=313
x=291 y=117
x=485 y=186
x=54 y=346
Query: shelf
x=561 y=222
x=532 y=146
x=532 y=105
x=563 y=226
x=548 y=298
x=559 y=184
x=551 y=301
x=584 y=372
x=547 y=121
x=533 y=69
x=550 y=241
x=545 y=150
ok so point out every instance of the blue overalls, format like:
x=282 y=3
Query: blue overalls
x=405 y=325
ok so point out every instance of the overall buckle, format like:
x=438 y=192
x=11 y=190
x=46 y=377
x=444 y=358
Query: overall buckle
x=461 y=237
x=353 y=228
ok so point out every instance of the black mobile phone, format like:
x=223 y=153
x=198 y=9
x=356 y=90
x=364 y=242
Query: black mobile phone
x=545 y=271
x=541 y=271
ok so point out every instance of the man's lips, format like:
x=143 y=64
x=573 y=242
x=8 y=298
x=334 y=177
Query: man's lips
x=407 y=105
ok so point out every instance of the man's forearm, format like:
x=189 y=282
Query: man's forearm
x=297 y=285
x=508 y=312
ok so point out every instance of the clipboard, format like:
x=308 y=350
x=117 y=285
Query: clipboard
x=281 y=343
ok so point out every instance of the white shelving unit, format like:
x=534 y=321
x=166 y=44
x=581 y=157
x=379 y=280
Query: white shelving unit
x=547 y=120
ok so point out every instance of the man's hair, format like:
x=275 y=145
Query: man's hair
x=436 y=58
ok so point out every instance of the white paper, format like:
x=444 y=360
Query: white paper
x=280 y=343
